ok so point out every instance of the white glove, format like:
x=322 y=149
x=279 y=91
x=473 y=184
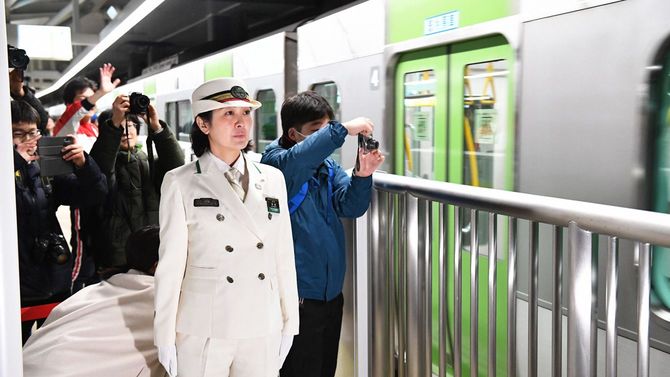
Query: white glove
x=167 y=356
x=286 y=343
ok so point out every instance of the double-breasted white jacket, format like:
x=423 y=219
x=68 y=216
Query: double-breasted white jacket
x=226 y=268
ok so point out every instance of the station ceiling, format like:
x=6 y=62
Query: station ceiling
x=177 y=30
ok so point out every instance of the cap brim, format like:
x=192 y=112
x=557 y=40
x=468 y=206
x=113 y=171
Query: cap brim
x=203 y=106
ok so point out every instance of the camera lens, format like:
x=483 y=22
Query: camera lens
x=139 y=103
x=17 y=58
x=372 y=144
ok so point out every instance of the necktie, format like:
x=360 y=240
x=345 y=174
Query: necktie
x=233 y=176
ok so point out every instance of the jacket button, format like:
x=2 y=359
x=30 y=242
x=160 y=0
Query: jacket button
x=220 y=217
x=259 y=245
x=229 y=248
x=261 y=276
x=269 y=216
x=230 y=280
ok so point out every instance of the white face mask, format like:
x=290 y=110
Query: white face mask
x=304 y=137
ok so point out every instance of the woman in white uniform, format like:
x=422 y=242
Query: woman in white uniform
x=226 y=294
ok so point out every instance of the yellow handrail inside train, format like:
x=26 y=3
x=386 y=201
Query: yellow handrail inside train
x=408 y=153
x=470 y=146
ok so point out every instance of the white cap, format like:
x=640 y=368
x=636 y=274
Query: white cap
x=220 y=93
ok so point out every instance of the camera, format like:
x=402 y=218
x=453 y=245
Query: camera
x=17 y=58
x=367 y=143
x=139 y=104
x=53 y=247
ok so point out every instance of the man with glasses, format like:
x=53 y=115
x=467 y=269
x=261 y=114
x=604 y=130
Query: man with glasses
x=44 y=263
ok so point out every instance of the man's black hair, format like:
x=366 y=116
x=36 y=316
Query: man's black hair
x=142 y=248
x=22 y=112
x=200 y=141
x=75 y=85
x=303 y=108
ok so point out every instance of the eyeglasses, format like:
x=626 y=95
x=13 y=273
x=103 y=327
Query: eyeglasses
x=23 y=135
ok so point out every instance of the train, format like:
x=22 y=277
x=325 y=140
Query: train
x=567 y=99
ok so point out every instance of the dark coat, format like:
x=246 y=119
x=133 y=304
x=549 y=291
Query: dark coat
x=37 y=199
x=133 y=198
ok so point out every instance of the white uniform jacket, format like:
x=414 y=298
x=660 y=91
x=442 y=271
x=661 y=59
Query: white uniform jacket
x=226 y=268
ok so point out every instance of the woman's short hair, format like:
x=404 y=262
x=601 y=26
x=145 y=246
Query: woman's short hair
x=75 y=85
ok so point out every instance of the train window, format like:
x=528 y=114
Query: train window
x=266 y=119
x=485 y=134
x=485 y=128
x=180 y=117
x=331 y=93
x=419 y=104
x=171 y=116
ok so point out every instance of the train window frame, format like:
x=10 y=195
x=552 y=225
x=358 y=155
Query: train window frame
x=426 y=99
x=336 y=105
x=260 y=144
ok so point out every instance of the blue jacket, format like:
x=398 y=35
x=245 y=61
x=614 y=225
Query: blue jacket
x=318 y=235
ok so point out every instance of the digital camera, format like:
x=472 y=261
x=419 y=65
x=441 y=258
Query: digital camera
x=367 y=143
x=18 y=59
x=139 y=104
x=52 y=247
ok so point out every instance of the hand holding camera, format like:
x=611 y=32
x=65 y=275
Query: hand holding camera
x=359 y=126
x=137 y=104
x=369 y=158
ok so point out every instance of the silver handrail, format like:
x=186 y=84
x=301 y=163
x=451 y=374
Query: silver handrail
x=408 y=264
x=644 y=226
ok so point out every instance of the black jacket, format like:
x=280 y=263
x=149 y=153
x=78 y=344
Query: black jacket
x=37 y=199
x=134 y=187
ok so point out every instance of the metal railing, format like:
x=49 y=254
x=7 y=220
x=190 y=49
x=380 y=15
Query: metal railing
x=400 y=280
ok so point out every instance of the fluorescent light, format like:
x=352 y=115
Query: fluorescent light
x=122 y=28
x=111 y=12
x=45 y=42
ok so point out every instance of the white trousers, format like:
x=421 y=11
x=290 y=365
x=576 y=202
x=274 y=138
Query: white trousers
x=209 y=357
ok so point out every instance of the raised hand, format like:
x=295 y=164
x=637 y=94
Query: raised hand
x=359 y=126
x=106 y=84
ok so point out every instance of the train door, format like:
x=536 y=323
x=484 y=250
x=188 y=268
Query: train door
x=455 y=122
x=660 y=273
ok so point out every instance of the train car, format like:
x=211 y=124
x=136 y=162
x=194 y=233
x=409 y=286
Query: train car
x=565 y=99
x=559 y=98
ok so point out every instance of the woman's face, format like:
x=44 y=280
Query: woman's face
x=230 y=128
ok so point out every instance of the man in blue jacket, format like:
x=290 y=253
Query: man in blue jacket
x=319 y=193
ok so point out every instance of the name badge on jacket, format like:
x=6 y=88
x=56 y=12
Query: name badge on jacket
x=273 y=205
x=205 y=202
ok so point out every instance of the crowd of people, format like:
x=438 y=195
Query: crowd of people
x=244 y=275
